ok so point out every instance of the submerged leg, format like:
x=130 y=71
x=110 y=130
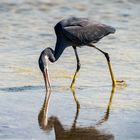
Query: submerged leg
x=78 y=67
x=109 y=66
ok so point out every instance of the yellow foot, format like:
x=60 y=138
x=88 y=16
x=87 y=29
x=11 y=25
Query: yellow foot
x=120 y=83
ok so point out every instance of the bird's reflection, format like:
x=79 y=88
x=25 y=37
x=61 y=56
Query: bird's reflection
x=43 y=114
x=75 y=132
x=106 y=116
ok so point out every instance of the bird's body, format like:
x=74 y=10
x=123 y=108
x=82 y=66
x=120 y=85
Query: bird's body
x=78 y=32
x=75 y=32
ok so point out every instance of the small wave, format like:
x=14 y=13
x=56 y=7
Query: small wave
x=20 y=89
x=29 y=88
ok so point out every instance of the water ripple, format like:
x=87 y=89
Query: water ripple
x=20 y=89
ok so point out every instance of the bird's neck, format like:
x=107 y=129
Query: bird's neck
x=59 y=48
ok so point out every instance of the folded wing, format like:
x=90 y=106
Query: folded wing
x=82 y=31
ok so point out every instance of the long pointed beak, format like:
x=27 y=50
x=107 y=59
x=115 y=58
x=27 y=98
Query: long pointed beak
x=46 y=79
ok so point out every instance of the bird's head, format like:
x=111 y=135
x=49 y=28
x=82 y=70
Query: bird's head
x=45 y=56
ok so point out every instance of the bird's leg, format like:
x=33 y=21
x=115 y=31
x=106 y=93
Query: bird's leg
x=114 y=81
x=78 y=67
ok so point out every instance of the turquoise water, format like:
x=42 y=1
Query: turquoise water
x=26 y=28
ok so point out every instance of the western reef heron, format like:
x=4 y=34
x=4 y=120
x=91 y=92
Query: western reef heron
x=75 y=32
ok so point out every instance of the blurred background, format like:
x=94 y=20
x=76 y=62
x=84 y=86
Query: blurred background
x=27 y=27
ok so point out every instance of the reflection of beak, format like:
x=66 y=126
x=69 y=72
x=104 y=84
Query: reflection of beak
x=43 y=114
x=46 y=79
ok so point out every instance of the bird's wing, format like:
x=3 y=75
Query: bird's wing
x=70 y=22
x=74 y=21
x=85 y=32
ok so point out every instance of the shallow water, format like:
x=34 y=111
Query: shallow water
x=26 y=28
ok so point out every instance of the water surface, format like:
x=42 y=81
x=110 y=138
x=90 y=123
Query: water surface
x=26 y=29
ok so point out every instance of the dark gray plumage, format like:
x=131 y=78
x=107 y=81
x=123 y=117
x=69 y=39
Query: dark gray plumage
x=82 y=31
x=76 y=32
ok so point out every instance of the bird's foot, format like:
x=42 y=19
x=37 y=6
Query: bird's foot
x=119 y=83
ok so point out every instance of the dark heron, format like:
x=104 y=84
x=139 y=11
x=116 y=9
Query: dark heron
x=75 y=32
